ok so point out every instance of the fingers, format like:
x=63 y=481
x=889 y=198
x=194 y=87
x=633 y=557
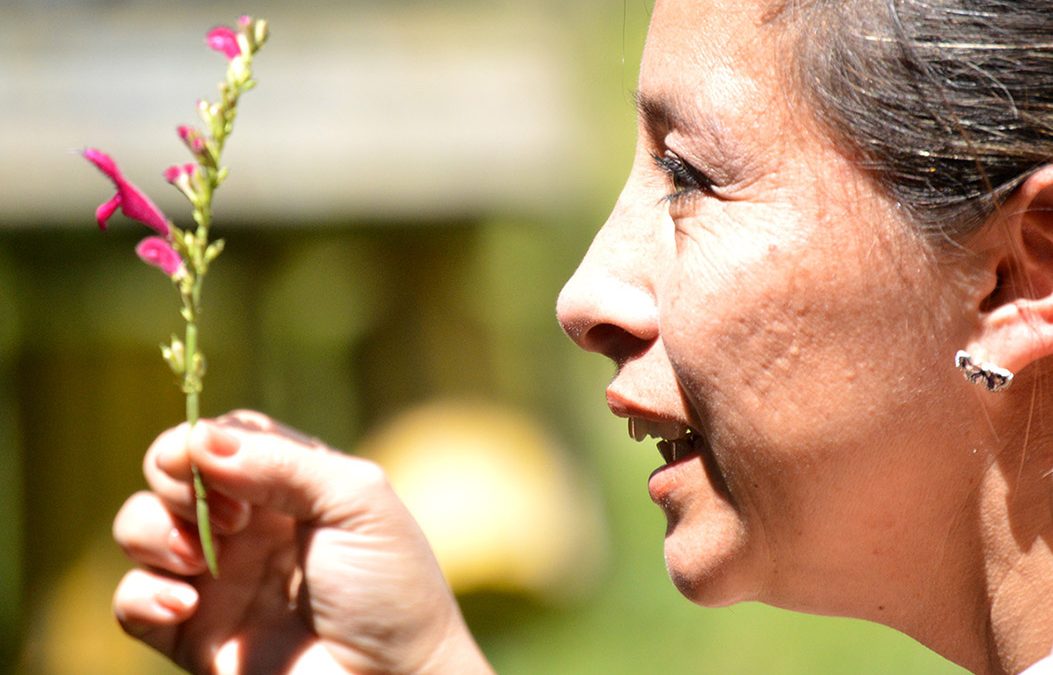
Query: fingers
x=246 y=457
x=250 y=420
x=279 y=471
x=167 y=470
x=151 y=535
x=150 y=607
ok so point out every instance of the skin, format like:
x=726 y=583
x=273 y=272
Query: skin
x=793 y=317
x=789 y=314
x=323 y=570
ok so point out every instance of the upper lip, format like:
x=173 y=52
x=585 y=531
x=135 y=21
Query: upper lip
x=623 y=407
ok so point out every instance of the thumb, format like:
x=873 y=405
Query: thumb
x=276 y=471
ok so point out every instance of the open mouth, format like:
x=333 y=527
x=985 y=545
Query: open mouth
x=675 y=440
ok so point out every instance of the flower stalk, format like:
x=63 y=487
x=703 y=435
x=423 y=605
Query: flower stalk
x=185 y=254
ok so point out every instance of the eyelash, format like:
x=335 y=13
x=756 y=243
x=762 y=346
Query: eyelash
x=684 y=177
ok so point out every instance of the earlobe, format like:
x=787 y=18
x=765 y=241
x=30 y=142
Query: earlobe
x=1016 y=314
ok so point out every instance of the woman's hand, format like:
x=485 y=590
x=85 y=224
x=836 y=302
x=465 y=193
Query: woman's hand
x=322 y=568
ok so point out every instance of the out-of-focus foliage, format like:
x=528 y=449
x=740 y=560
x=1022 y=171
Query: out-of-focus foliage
x=359 y=325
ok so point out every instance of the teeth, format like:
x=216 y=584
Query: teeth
x=639 y=429
x=636 y=431
x=674 y=440
x=665 y=448
x=677 y=448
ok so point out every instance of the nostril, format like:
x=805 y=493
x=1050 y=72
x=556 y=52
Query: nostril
x=614 y=342
x=607 y=313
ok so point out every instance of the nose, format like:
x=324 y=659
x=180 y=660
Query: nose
x=609 y=305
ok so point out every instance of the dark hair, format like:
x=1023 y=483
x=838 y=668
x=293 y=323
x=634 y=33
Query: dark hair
x=948 y=103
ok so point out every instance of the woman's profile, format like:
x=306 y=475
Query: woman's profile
x=827 y=289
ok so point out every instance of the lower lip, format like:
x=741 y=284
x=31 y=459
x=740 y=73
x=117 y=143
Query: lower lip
x=665 y=478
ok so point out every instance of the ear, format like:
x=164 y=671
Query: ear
x=1016 y=314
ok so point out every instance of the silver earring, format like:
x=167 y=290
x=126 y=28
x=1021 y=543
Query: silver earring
x=995 y=378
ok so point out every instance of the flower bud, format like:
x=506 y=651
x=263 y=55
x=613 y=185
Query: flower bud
x=244 y=44
x=223 y=40
x=159 y=253
x=261 y=31
x=198 y=145
x=204 y=112
x=182 y=178
x=213 y=250
x=174 y=355
x=239 y=70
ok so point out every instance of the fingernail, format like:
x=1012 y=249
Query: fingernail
x=185 y=549
x=177 y=598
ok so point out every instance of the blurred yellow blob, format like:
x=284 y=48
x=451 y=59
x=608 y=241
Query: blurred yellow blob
x=500 y=501
x=71 y=629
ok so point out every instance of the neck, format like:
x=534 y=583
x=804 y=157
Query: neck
x=984 y=599
x=1016 y=524
x=1007 y=539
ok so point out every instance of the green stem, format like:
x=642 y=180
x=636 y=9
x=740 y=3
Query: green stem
x=195 y=252
x=193 y=385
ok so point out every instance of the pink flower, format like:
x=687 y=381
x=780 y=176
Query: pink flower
x=224 y=40
x=192 y=138
x=130 y=199
x=176 y=173
x=181 y=177
x=159 y=253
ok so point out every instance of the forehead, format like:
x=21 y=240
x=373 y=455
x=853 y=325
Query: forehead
x=710 y=56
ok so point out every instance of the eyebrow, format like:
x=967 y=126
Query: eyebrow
x=660 y=115
x=657 y=114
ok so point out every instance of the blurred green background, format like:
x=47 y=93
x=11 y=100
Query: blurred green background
x=410 y=186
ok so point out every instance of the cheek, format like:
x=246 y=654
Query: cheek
x=733 y=316
x=801 y=365
x=793 y=343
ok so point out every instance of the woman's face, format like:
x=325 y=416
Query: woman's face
x=752 y=286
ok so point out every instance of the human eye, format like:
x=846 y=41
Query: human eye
x=686 y=179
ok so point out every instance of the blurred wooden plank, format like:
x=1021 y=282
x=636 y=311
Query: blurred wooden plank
x=402 y=110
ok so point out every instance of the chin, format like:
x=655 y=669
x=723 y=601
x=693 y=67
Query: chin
x=708 y=564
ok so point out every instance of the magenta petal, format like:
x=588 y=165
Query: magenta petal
x=159 y=253
x=224 y=39
x=106 y=209
x=138 y=206
x=103 y=162
x=131 y=200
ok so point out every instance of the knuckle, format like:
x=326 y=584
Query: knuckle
x=368 y=474
x=360 y=476
x=346 y=487
x=249 y=419
x=278 y=463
